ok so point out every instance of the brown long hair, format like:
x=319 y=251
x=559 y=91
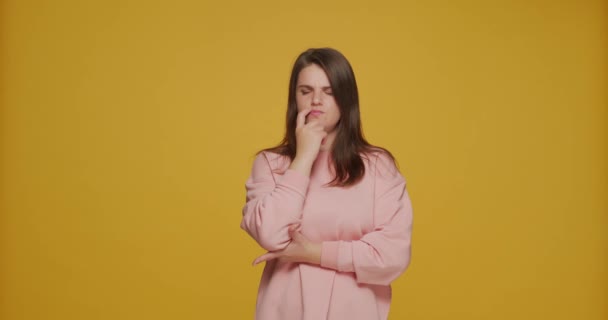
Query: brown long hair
x=350 y=145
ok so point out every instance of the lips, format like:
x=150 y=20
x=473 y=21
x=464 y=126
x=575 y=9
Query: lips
x=315 y=113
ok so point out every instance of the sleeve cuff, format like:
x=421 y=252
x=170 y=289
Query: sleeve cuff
x=296 y=181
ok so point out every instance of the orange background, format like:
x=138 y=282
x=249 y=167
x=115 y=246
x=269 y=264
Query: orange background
x=128 y=130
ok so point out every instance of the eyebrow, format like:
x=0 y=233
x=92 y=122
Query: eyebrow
x=310 y=87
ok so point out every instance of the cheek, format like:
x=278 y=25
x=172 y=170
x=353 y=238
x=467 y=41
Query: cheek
x=300 y=102
x=335 y=112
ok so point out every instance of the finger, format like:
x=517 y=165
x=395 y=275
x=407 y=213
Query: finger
x=265 y=257
x=301 y=119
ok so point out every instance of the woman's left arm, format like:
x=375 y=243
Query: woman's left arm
x=383 y=254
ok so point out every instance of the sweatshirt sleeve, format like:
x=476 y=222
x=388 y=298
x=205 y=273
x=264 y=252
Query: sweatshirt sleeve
x=271 y=206
x=383 y=254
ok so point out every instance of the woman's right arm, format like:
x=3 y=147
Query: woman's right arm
x=272 y=206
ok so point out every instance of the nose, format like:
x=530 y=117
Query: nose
x=316 y=99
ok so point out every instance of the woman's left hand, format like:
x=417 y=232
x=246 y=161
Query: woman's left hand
x=300 y=249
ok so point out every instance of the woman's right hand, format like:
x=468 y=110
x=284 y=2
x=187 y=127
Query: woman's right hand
x=309 y=137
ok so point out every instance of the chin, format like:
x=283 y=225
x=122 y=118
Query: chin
x=330 y=129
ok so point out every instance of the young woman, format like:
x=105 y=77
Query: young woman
x=331 y=210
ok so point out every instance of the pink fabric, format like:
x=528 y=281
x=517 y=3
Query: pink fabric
x=365 y=231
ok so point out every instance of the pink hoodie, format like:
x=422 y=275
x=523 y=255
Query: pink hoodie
x=365 y=231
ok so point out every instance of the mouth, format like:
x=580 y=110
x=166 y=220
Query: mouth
x=315 y=113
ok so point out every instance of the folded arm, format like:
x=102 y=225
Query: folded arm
x=271 y=206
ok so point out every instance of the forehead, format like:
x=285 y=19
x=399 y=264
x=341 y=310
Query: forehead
x=313 y=75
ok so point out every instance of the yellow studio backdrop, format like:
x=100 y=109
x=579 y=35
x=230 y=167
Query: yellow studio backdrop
x=128 y=129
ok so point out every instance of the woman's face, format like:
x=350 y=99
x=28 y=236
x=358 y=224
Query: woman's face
x=314 y=91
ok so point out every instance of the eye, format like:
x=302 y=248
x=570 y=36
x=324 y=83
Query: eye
x=329 y=92
x=304 y=92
